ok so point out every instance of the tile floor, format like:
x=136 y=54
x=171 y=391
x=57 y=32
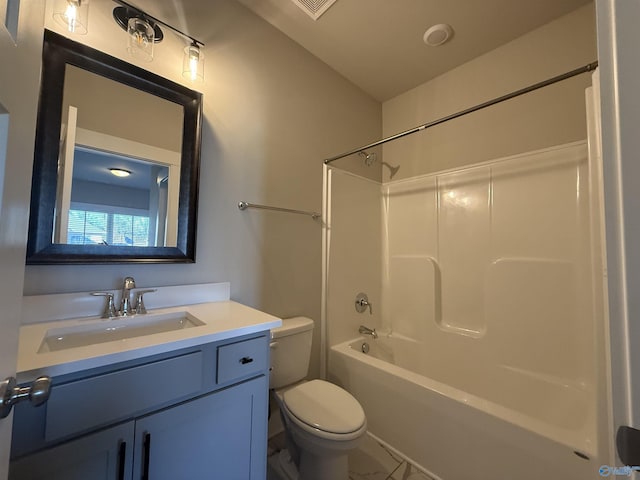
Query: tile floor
x=370 y=461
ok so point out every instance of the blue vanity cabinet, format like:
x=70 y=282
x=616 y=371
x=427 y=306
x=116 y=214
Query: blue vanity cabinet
x=207 y=438
x=105 y=455
x=199 y=413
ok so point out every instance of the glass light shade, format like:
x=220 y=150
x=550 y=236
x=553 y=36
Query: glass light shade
x=73 y=15
x=193 y=63
x=141 y=38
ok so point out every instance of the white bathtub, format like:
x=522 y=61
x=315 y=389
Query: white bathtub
x=444 y=418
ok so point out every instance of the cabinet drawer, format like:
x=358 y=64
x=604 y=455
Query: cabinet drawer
x=242 y=359
x=100 y=400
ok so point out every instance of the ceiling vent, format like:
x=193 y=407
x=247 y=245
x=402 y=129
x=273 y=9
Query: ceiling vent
x=314 y=8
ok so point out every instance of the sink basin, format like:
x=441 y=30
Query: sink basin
x=116 y=329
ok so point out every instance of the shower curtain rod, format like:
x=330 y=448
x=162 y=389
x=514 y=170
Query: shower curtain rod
x=587 y=68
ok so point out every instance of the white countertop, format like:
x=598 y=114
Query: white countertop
x=222 y=320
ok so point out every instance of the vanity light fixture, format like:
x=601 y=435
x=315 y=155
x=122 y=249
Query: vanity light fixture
x=73 y=15
x=141 y=38
x=193 y=63
x=120 y=172
x=144 y=31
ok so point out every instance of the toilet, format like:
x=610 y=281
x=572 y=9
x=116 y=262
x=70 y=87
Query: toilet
x=323 y=421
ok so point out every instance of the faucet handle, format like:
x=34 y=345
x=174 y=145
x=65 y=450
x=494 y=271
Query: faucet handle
x=362 y=303
x=139 y=307
x=110 y=308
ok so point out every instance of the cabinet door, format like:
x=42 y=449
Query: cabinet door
x=219 y=436
x=105 y=455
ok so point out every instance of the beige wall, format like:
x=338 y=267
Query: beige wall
x=121 y=111
x=550 y=116
x=272 y=112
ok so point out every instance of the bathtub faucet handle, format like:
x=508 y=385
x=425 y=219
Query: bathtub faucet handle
x=362 y=302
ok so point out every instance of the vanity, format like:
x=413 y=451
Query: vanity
x=190 y=402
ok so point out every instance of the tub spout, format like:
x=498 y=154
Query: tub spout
x=368 y=331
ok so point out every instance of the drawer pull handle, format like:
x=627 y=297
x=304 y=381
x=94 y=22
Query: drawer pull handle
x=245 y=360
x=146 y=453
x=122 y=456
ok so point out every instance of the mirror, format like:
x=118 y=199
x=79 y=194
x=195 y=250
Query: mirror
x=116 y=161
x=118 y=170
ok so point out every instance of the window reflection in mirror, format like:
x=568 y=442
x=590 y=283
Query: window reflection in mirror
x=108 y=125
x=106 y=209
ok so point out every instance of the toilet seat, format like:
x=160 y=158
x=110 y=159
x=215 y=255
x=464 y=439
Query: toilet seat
x=325 y=410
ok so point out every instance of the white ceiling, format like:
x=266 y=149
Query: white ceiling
x=377 y=44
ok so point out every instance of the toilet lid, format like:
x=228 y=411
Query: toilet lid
x=325 y=406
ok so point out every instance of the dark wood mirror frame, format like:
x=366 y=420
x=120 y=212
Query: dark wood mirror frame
x=59 y=51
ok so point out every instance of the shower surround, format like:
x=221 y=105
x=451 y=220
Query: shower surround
x=487 y=289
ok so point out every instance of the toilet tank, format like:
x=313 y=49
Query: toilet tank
x=290 y=351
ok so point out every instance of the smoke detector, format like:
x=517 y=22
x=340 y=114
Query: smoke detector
x=314 y=8
x=438 y=34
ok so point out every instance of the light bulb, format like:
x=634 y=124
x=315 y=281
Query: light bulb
x=140 y=39
x=194 y=58
x=193 y=63
x=70 y=16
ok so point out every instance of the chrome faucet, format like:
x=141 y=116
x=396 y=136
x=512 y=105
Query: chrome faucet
x=110 y=307
x=127 y=308
x=368 y=331
x=125 y=300
x=139 y=306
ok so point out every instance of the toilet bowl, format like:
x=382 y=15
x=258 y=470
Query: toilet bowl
x=323 y=421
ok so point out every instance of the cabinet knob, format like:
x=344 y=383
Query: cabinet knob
x=245 y=360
